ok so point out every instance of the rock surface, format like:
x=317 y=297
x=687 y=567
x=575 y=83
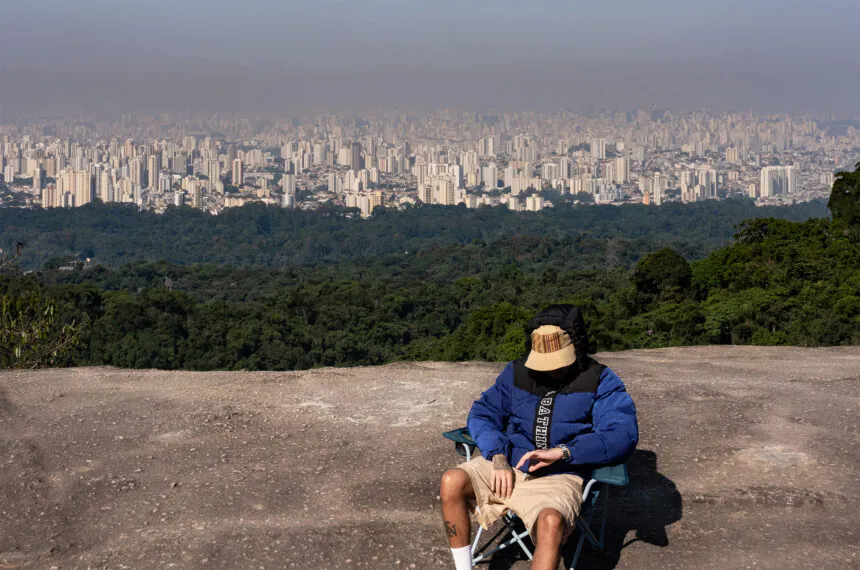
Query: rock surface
x=749 y=458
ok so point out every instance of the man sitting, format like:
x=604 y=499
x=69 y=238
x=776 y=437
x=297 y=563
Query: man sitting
x=554 y=416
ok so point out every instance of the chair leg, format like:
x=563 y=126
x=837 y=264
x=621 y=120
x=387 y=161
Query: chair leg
x=477 y=537
x=476 y=552
x=515 y=538
x=576 y=554
x=603 y=521
x=519 y=539
x=584 y=525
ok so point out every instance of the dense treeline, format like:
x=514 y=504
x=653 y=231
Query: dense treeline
x=257 y=235
x=402 y=307
x=778 y=282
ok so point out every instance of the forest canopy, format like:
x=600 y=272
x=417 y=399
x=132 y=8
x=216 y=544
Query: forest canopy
x=258 y=235
x=355 y=292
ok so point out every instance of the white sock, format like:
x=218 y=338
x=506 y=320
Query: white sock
x=462 y=558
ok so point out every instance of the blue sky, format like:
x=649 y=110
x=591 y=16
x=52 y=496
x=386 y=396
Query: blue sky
x=778 y=54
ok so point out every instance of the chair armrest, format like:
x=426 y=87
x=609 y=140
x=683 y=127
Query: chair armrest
x=460 y=435
x=611 y=474
x=463 y=442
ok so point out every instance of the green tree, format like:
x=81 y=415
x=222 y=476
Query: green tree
x=663 y=275
x=493 y=333
x=844 y=201
x=31 y=335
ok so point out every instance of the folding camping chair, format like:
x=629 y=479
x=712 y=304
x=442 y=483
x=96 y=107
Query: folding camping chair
x=601 y=480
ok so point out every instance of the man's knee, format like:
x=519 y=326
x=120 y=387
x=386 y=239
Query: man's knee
x=550 y=521
x=454 y=485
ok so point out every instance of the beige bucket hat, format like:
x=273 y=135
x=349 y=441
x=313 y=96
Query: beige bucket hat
x=551 y=349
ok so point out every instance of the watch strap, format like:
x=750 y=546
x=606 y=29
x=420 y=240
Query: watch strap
x=565 y=452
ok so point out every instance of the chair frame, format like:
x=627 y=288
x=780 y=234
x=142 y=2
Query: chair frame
x=598 y=486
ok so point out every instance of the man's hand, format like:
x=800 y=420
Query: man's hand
x=502 y=483
x=541 y=458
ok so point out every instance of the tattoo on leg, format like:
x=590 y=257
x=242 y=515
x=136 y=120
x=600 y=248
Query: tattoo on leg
x=451 y=529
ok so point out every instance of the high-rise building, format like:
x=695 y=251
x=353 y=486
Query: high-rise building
x=707 y=178
x=622 y=170
x=425 y=193
x=608 y=171
x=50 y=198
x=469 y=160
x=550 y=171
x=770 y=181
x=752 y=191
x=351 y=182
x=490 y=176
x=152 y=169
x=126 y=191
x=38 y=180
x=534 y=204
x=83 y=188
x=658 y=185
x=733 y=155
x=213 y=170
x=564 y=167
x=238 y=172
x=513 y=203
x=377 y=199
x=136 y=171
x=598 y=148
x=179 y=163
x=791 y=178
x=194 y=191
x=334 y=183
x=687 y=182
x=487 y=146
x=319 y=154
x=343 y=156
x=776 y=180
x=288 y=184
x=355 y=156
x=105 y=187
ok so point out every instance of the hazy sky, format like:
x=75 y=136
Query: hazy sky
x=68 y=56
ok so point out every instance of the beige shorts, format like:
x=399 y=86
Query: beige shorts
x=530 y=496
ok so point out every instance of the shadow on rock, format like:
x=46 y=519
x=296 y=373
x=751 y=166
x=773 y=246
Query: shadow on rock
x=646 y=506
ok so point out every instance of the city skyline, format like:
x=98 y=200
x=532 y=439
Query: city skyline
x=95 y=56
x=522 y=161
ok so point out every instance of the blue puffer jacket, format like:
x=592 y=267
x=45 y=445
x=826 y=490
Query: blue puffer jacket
x=592 y=413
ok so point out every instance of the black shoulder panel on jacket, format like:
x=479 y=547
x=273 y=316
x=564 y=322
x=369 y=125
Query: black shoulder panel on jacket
x=537 y=383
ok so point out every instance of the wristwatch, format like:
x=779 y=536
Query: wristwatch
x=565 y=452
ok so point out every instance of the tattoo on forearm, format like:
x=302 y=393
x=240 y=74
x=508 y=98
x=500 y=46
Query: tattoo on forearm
x=500 y=463
x=450 y=529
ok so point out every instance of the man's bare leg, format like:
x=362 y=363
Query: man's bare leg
x=550 y=529
x=455 y=491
